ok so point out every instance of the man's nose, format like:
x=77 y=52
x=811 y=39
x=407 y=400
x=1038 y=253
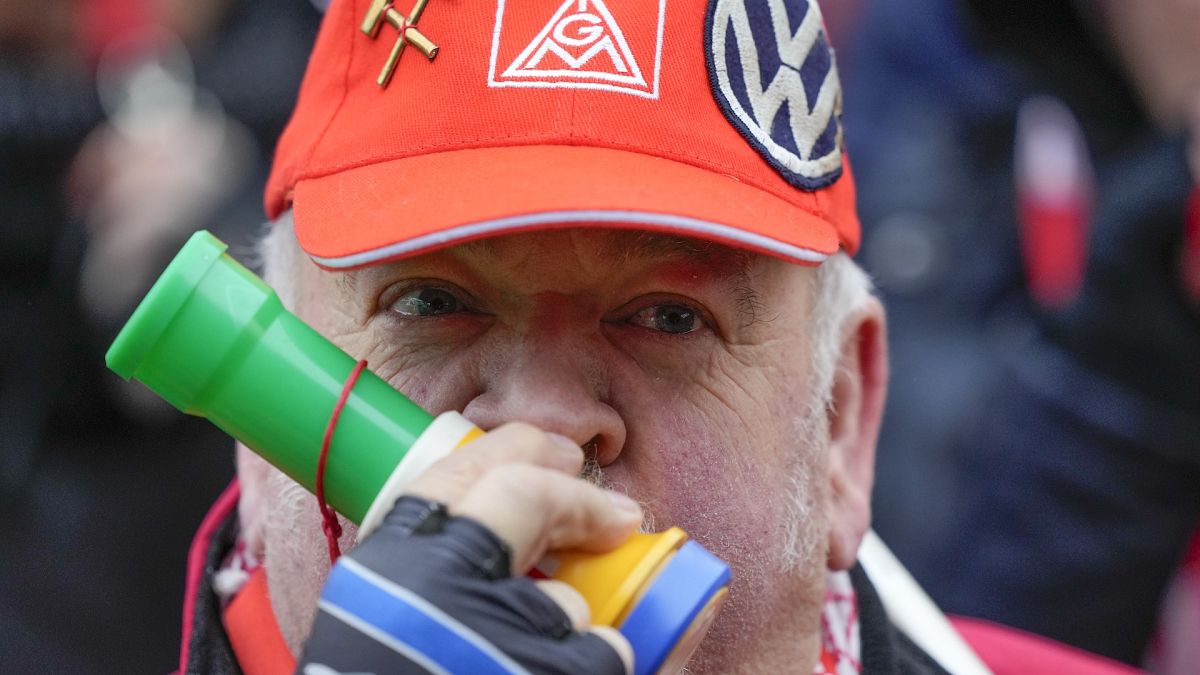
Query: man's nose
x=553 y=387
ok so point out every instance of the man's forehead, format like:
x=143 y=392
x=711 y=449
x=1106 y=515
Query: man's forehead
x=617 y=247
x=624 y=247
x=636 y=245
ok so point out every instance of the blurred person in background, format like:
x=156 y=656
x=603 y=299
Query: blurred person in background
x=1031 y=161
x=124 y=125
x=47 y=107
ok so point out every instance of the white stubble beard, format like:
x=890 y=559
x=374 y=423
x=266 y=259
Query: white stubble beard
x=296 y=557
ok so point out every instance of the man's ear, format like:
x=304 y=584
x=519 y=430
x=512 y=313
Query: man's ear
x=859 y=390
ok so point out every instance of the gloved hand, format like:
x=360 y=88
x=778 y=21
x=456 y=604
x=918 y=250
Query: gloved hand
x=440 y=587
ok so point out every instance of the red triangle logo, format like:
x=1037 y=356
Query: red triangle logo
x=581 y=43
x=581 y=37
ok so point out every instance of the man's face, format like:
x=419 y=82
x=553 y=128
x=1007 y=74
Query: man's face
x=683 y=368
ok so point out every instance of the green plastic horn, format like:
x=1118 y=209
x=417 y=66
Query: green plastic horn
x=215 y=341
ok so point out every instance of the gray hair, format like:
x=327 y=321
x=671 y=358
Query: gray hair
x=277 y=252
x=843 y=289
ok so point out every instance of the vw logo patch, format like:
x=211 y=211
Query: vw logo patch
x=774 y=76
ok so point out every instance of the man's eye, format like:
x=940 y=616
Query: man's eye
x=673 y=319
x=427 y=302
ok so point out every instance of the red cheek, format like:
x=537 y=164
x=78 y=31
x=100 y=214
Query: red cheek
x=708 y=484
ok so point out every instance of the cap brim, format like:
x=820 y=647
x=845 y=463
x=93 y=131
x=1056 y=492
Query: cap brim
x=389 y=210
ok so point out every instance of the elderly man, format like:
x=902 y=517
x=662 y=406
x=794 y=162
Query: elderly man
x=617 y=234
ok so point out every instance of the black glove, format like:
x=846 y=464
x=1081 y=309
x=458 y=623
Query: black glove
x=428 y=592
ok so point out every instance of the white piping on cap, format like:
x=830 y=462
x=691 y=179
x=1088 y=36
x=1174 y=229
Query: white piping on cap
x=682 y=224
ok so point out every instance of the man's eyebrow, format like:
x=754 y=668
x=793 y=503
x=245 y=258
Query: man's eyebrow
x=484 y=245
x=749 y=304
x=347 y=282
x=734 y=264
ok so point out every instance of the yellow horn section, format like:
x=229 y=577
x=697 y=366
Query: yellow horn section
x=613 y=582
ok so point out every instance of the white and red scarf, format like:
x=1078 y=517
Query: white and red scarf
x=841 y=648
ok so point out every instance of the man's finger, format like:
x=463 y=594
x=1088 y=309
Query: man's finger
x=577 y=611
x=618 y=642
x=514 y=443
x=536 y=510
x=570 y=601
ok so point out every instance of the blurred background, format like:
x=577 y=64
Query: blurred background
x=1026 y=180
x=125 y=125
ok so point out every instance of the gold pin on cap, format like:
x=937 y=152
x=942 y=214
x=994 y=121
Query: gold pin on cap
x=381 y=11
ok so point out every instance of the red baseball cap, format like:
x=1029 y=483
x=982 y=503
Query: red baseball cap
x=716 y=119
